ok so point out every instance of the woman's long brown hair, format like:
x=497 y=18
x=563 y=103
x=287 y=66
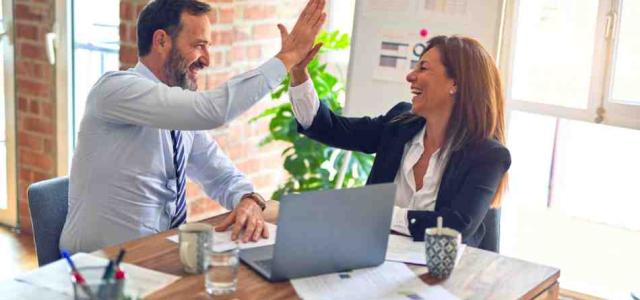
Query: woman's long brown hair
x=478 y=109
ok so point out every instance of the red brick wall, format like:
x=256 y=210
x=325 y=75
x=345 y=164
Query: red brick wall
x=35 y=96
x=244 y=35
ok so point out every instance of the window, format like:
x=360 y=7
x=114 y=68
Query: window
x=573 y=191
x=575 y=59
x=8 y=200
x=96 y=41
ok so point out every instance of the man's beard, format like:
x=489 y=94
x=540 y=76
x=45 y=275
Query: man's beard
x=176 y=69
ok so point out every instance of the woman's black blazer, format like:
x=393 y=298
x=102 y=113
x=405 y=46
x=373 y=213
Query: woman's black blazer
x=469 y=181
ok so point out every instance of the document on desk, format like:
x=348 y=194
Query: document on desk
x=140 y=282
x=391 y=280
x=404 y=249
x=222 y=240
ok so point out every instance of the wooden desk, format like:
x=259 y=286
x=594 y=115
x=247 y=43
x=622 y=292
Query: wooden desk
x=479 y=275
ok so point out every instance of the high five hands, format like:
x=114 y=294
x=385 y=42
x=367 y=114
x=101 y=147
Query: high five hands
x=298 y=44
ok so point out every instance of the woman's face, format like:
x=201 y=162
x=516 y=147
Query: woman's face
x=431 y=88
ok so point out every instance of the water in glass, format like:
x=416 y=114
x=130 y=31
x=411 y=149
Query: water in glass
x=222 y=272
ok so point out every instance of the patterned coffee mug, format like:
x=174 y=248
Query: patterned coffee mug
x=441 y=249
x=194 y=237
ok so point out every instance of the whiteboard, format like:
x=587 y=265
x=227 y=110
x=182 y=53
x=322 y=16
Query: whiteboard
x=386 y=33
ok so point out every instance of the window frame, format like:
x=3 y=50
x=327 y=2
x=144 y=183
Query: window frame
x=63 y=61
x=627 y=115
x=9 y=216
x=600 y=108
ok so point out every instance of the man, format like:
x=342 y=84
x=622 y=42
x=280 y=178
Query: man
x=141 y=134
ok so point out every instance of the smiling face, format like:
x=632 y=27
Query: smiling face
x=431 y=87
x=189 y=52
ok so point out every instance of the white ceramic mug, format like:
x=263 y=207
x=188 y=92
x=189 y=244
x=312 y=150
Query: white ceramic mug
x=194 y=238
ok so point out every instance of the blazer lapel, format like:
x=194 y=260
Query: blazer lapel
x=389 y=156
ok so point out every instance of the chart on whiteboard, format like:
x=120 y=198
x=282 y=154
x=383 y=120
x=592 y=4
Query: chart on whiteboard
x=398 y=48
x=398 y=52
x=417 y=7
x=389 y=37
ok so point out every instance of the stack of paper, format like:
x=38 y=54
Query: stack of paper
x=140 y=282
x=222 y=240
x=404 y=249
x=388 y=281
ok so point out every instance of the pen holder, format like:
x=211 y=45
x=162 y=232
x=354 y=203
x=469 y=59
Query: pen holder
x=95 y=287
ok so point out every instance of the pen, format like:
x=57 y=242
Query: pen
x=76 y=274
x=108 y=271
x=120 y=256
x=104 y=286
x=119 y=273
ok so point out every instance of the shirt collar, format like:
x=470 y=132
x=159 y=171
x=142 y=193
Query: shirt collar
x=418 y=139
x=140 y=68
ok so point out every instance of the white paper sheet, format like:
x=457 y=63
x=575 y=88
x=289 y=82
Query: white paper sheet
x=140 y=282
x=222 y=240
x=404 y=249
x=390 y=280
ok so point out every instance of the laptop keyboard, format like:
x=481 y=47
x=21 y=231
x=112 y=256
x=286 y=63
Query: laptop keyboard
x=265 y=264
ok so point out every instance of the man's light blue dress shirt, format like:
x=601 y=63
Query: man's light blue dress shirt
x=123 y=180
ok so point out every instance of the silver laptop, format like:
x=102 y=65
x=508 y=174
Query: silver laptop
x=325 y=232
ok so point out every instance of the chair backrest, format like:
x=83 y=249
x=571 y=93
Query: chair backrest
x=48 y=205
x=491 y=239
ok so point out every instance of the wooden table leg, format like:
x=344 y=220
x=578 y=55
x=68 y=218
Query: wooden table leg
x=553 y=292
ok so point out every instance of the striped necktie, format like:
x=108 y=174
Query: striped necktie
x=179 y=162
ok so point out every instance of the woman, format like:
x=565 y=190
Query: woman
x=445 y=150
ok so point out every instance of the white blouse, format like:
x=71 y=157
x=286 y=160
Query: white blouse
x=305 y=104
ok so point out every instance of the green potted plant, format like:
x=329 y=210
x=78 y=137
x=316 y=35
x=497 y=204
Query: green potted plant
x=311 y=165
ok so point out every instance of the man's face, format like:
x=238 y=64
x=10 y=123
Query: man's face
x=189 y=52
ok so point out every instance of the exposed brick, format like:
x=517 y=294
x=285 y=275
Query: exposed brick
x=123 y=31
x=222 y=37
x=37 y=125
x=238 y=53
x=29 y=87
x=30 y=69
x=39 y=176
x=49 y=146
x=24 y=12
x=24 y=175
x=27 y=31
x=226 y=15
x=265 y=31
x=254 y=52
x=242 y=33
x=126 y=10
x=34 y=107
x=32 y=51
x=23 y=103
x=46 y=110
x=259 y=12
x=38 y=161
x=213 y=16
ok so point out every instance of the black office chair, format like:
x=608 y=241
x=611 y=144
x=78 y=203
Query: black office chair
x=491 y=239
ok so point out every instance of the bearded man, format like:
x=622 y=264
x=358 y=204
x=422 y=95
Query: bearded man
x=143 y=131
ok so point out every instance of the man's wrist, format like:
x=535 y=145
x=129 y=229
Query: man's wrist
x=256 y=198
x=287 y=60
